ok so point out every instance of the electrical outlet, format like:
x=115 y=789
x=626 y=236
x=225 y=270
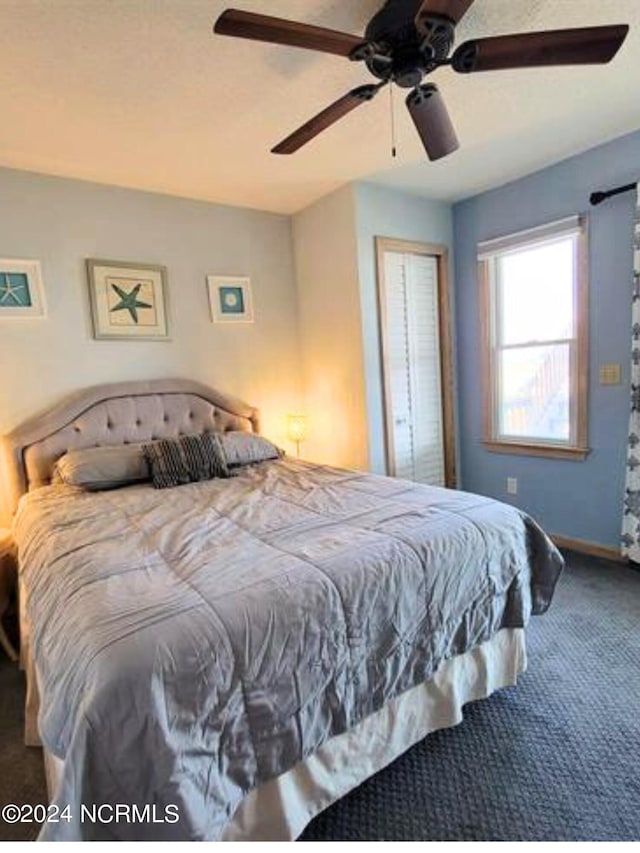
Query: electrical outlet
x=512 y=486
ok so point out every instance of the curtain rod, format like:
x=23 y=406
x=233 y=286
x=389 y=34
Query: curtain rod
x=599 y=197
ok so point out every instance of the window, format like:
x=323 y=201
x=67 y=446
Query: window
x=535 y=340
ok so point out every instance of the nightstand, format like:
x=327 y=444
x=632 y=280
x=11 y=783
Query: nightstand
x=7 y=585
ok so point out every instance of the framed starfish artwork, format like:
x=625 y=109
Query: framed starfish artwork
x=230 y=299
x=21 y=291
x=128 y=300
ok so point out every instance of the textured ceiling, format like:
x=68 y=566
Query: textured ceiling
x=140 y=93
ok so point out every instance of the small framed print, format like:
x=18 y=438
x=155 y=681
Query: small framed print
x=230 y=299
x=128 y=301
x=21 y=290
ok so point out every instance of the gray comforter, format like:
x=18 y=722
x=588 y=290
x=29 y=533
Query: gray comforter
x=192 y=644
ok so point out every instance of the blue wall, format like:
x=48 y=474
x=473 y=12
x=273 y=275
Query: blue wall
x=582 y=500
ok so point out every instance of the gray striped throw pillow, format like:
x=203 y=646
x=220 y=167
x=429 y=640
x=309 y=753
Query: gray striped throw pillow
x=189 y=459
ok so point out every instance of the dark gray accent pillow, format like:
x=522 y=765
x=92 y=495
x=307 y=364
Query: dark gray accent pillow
x=99 y=468
x=189 y=459
x=246 y=448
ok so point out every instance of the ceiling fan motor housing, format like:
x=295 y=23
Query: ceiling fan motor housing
x=406 y=54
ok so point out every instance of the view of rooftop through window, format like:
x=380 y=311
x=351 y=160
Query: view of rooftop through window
x=535 y=340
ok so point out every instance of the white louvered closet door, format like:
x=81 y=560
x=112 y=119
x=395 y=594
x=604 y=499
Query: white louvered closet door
x=413 y=368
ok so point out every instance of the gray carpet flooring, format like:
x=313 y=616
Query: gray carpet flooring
x=555 y=758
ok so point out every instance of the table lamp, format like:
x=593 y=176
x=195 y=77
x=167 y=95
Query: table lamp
x=297 y=430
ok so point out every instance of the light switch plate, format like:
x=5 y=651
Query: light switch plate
x=611 y=374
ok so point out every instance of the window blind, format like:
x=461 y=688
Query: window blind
x=571 y=226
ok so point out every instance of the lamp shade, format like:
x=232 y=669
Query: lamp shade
x=296 y=427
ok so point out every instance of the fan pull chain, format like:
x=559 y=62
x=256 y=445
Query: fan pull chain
x=394 y=149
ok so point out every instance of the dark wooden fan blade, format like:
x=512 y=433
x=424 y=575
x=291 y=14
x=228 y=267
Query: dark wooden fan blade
x=326 y=118
x=585 y=46
x=429 y=112
x=454 y=10
x=263 y=28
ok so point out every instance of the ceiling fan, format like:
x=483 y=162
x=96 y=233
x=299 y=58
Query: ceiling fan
x=408 y=40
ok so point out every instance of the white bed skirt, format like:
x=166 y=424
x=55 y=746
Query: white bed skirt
x=280 y=809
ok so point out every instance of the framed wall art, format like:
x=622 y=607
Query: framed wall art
x=128 y=300
x=230 y=299
x=21 y=290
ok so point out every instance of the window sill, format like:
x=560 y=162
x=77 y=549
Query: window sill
x=550 y=451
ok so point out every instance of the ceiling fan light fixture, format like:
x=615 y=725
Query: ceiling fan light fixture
x=429 y=113
x=438 y=35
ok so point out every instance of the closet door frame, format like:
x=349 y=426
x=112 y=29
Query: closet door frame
x=441 y=254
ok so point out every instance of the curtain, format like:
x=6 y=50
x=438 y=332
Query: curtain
x=631 y=519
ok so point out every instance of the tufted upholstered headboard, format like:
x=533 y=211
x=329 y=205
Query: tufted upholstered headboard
x=122 y=413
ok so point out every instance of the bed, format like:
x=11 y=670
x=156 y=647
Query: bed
x=236 y=655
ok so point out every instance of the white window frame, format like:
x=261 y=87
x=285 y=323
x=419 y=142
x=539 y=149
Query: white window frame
x=488 y=254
